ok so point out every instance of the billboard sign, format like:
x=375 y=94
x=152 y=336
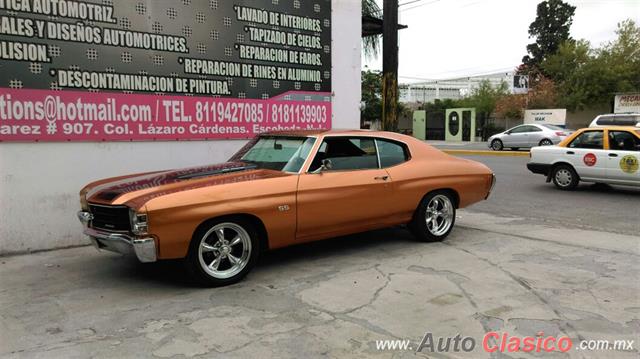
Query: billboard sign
x=520 y=84
x=122 y=70
x=556 y=116
x=629 y=103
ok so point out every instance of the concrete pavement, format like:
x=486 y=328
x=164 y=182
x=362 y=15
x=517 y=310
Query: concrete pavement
x=333 y=298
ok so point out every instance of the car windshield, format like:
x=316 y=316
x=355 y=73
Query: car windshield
x=280 y=153
x=553 y=127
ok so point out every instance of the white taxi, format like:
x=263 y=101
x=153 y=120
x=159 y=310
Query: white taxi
x=603 y=155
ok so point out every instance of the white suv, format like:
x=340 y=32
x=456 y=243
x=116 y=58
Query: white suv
x=616 y=119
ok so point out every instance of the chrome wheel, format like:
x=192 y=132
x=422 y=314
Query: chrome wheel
x=439 y=215
x=224 y=250
x=546 y=143
x=563 y=177
x=496 y=145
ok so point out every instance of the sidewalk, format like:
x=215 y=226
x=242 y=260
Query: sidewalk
x=459 y=145
x=473 y=148
x=330 y=299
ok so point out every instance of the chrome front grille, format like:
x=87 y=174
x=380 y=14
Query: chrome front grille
x=110 y=218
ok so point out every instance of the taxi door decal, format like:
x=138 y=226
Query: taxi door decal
x=590 y=159
x=629 y=164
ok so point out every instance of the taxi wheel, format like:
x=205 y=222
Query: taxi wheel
x=496 y=145
x=222 y=252
x=565 y=177
x=435 y=217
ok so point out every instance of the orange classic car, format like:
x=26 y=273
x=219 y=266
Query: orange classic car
x=281 y=189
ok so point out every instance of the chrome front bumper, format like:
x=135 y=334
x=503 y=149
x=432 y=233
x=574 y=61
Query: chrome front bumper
x=143 y=248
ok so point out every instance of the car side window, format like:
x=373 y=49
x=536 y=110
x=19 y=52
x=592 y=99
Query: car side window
x=391 y=153
x=588 y=139
x=533 y=129
x=519 y=129
x=347 y=153
x=623 y=141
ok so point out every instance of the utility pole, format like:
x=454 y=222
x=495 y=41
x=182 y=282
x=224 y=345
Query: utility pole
x=390 y=65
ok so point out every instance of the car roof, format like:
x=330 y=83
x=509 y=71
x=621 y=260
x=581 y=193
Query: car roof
x=619 y=114
x=627 y=128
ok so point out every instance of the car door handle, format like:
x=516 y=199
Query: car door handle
x=613 y=155
x=381 y=178
x=571 y=153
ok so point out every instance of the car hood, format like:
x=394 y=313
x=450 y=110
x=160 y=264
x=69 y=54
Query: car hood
x=135 y=190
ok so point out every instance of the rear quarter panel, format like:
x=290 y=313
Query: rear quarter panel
x=430 y=169
x=547 y=155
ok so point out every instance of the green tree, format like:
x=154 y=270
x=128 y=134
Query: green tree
x=550 y=29
x=439 y=104
x=371 y=44
x=371 y=87
x=511 y=107
x=484 y=98
x=621 y=59
x=586 y=77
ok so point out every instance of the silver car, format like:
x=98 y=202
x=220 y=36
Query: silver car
x=528 y=135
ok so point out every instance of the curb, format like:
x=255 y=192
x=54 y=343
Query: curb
x=486 y=153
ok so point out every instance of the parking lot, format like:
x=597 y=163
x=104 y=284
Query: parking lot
x=571 y=269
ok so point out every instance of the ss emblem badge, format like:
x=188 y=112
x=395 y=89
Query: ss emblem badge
x=284 y=207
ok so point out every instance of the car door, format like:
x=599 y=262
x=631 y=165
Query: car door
x=352 y=196
x=623 y=157
x=515 y=137
x=587 y=155
x=534 y=136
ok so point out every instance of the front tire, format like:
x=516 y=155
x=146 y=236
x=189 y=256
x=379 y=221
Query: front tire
x=435 y=217
x=496 y=145
x=222 y=252
x=565 y=177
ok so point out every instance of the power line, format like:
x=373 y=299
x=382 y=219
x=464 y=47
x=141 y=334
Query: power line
x=419 y=5
x=409 y=2
x=489 y=72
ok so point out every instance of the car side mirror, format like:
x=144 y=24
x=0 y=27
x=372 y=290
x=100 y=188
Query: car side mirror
x=327 y=165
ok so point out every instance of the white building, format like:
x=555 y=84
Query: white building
x=428 y=91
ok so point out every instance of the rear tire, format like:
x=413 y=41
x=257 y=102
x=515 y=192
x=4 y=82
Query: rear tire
x=435 y=217
x=496 y=145
x=545 y=142
x=565 y=177
x=222 y=252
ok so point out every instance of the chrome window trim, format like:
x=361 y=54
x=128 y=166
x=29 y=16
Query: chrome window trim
x=374 y=136
x=375 y=141
x=405 y=147
x=350 y=170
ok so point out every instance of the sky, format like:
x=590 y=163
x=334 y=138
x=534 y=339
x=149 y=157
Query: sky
x=460 y=38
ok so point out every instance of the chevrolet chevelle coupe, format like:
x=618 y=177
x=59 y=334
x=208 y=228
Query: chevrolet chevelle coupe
x=281 y=189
